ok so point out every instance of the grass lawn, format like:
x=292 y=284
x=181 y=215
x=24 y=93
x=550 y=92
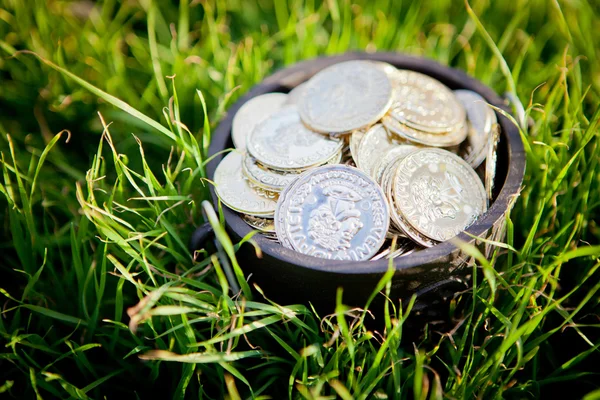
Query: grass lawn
x=106 y=112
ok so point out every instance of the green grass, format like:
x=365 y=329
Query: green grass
x=100 y=296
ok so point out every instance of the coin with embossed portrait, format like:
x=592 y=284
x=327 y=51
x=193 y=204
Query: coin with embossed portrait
x=335 y=212
x=345 y=97
x=265 y=225
x=395 y=215
x=438 y=193
x=424 y=103
x=481 y=120
x=251 y=113
x=282 y=142
x=455 y=136
x=238 y=193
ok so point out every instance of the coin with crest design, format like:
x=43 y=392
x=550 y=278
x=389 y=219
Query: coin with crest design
x=438 y=193
x=335 y=212
x=345 y=97
x=253 y=112
x=282 y=142
x=237 y=193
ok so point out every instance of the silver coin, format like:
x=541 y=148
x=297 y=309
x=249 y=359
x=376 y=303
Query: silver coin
x=273 y=180
x=282 y=142
x=481 y=119
x=388 y=68
x=451 y=138
x=438 y=193
x=491 y=160
x=424 y=103
x=376 y=142
x=237 y=193
x=355 y=139
x=334 y=212
x=402 y=247
x=260 y=224
x=266 y=178
x=280 y=212
x=295 y=94
x=395 y=215
x=345 y=97
x=251 y=113
x=389 y=156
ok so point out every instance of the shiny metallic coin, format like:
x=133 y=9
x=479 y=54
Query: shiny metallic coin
x=388 y=68
x=282 y=142
x=389 y=156
x=345 y=97
x=334 y=212
x=295 y=94
x=260 y=224
x=355 y=139
x=393 y=231
x=376 y=141
x=424 y=103
x=438 y=193
x=451 y=138
x=237 y=193
x=402 y=247
x=281 y=210
x=270 y=179
x=251 y=113
x=491 y=160
x=266 y=178
x=395 y=215
x=481 y=119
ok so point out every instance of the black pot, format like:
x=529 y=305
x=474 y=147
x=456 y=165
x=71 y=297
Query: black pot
x=289 y=277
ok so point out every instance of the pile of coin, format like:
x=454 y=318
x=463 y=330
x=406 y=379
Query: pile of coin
x=360 y=155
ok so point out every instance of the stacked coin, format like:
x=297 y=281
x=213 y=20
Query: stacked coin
x=358 y=156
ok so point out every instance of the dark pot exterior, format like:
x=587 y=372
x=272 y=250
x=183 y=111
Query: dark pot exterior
x=290 y=277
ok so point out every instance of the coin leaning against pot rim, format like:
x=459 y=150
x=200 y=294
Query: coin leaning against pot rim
x=334 y=212
x=346 y=96
x=438 y=193
x=251 y=113
x=237 y=193
x=283 y=142
x=481 y=119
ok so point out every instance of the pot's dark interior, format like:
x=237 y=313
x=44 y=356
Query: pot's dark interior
x=289 y=276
